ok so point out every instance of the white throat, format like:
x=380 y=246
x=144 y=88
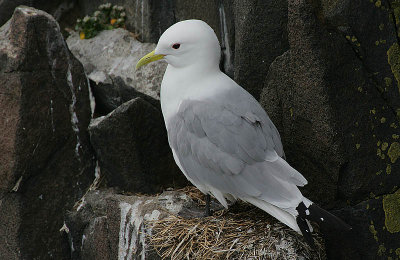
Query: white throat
x=184 y=83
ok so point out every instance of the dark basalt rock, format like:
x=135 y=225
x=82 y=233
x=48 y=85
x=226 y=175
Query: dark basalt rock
x=132 y=147
x=260 y=37
x=46 y=160
x=333 y=96
x=106 y=225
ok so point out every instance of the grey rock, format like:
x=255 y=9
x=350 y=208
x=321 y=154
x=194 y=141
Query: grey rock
x=132 y=147
x=260 y=37
x=113 y=54
x=147 y=19
x=106 y=225
x=56 y=8
x=46 y=159
x=376 y=231
x=337 y=117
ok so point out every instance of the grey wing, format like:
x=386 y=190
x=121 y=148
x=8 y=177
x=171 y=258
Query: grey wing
x=234 y=154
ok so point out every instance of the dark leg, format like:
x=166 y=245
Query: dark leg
x=207 y=213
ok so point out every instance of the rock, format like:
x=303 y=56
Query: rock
x=107 y=225
x=56 y=8
x=46 y=159
x=109 y=96
x=132 y=147
x=376 y=229
x=149 y=19
x=113 y=54
x=337 y=117
x=260 y=37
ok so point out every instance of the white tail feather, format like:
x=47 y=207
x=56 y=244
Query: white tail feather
x=281 y=215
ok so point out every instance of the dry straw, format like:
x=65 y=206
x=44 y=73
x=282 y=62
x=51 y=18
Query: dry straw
x=242 y=232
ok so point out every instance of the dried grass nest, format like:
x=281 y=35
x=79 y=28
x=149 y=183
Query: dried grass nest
x=242 y=232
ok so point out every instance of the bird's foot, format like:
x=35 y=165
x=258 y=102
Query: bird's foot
x=208 y=211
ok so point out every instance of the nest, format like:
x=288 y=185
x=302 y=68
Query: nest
x=242 y=232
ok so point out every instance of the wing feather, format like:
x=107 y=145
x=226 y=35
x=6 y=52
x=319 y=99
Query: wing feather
x=234 y=152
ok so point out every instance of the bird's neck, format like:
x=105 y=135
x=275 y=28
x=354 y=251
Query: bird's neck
x=184 y=83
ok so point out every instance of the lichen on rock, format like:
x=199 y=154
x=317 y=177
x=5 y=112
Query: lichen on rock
x=394 y=60
x=394 y=152
x=391 y=206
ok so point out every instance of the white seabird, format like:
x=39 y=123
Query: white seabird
x=221 y=137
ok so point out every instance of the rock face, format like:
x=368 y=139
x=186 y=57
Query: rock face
x=105 y=60
x=334 y=97
x=132 y=147
x=109 y=226
x=45 y=160
x=56 y=8
x=149 y=19
x=260 y=36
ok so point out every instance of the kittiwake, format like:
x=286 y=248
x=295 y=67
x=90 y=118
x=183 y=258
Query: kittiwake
x=221 y=138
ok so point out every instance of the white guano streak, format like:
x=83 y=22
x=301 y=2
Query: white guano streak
x=128 y=242
x=74 y=118
x=226 y=50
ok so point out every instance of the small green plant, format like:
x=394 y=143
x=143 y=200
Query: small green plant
x=107 y=17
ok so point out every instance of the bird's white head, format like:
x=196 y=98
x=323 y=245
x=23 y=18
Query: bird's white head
x=186 y=43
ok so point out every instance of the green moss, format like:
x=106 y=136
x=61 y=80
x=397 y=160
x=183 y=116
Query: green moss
x=357 y=146
x=393 y=125
x=383 y=120
x=373 y=111
x=391 y=207
x=378 y=173
x=394 y=136
x=384 y=146
x=378 y=3
x=394 y=61
x=381 y=26
x=398 y=251
x=394 y=152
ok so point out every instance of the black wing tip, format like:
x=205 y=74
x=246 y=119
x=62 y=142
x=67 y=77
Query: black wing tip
x=305 y=231
x=324 y=218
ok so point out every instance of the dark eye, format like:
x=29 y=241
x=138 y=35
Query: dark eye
x=176 y=46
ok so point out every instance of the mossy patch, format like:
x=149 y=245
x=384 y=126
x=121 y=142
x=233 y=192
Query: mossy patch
x=394 y=61
x=394 y=152
x=398 y=251
x=391 y=207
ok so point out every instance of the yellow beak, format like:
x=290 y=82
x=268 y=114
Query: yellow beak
x=149 y=58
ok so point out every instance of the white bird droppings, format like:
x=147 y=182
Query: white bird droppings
x=307 y=212
x=74 y=117
x=129 y=229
